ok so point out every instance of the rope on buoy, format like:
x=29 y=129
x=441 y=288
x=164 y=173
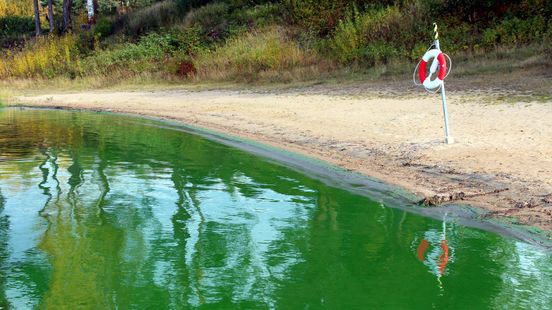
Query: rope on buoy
x=416 y=70
x=415 y=73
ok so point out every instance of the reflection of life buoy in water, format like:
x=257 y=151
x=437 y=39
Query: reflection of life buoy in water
x=433 y=251
x=422 y=248
x=443 y=260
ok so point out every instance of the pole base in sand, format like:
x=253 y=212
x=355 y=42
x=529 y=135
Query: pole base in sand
x=449 y=140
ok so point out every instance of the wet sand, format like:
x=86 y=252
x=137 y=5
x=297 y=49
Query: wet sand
x=501 y=161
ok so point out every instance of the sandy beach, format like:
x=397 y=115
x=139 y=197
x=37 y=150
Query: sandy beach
x=501 y=161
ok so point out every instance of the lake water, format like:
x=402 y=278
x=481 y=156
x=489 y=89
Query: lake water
x=104 y=211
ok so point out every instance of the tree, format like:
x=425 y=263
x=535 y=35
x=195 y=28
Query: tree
x=37 y=18
x=92 y=8
x=67 y=22
x=51 y=15
x=95 y=11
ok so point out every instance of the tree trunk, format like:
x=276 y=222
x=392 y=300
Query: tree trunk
x=95 y=3
x=51 y=16
x=90 y=11
x=67 y=25
x=37 y=18
x=92 y=7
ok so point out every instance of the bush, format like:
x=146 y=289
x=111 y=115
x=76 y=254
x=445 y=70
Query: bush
x=146 y=20
x=378 y=35
x=319 y=16
x=154 y=52
x=240 y=39
x=375 y=36
x=515 y=31
x=247 y=56
x=258 y=16
x=222 y=20
x=16 y=25
x=16 y=8
x=186 y=5
x=212 y=20
x=132 y=57
x=188 y=41
x=44 y=57
x=103 y=28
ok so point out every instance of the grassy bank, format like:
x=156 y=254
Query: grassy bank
x=284 y=42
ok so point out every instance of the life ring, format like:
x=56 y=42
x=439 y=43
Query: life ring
x=441 y=62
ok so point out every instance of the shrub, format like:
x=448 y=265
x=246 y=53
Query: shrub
x=258 y=16
x=44 y=57
x=239 y=39
x=132 y=57
x=154 y=17
x=221 y=20
x=151 y=53
x=16 y=8
x=374 y=36
x=186 y=69
x=16 y=25
x=186 y=5
x=14 y=30
x=103 y=28
x=188 y=41
x=515 y=31
x=319 y=16
x=458 y=37
x=246 y=57
x=212 y=20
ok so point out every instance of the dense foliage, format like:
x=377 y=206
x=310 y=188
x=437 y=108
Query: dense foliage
x=14 y=25
x=250 y=39
x=15 y=8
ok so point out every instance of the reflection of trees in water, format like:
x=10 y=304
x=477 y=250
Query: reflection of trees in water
x=526 y=279
x=223 y=260
x=496 y=272
x=357 y=252
x=75 y=180
x=4 y=252
x=217 y=258
x=80 y=274
x=187 y=221
x=87 y=248
x=103 y=183
x=239 y=230
x=25 y=276
x=105 y=240
x=12 y=143
x=63 y=241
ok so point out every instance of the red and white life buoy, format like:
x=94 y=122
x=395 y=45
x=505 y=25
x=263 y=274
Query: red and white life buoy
x=439 y=61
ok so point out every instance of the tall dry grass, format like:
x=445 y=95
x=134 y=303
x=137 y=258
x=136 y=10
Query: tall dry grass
x=44 y=57
x=267 y=53
x=16 y=8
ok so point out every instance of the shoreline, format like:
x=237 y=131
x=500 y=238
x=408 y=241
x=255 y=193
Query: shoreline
x=298 y=122
x=386 y=194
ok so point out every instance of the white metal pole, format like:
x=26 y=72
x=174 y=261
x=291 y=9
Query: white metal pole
x=448 y=138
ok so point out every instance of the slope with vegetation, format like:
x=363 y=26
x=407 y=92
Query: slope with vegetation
x=258 y=40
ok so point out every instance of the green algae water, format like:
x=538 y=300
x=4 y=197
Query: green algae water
x=102 y=211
